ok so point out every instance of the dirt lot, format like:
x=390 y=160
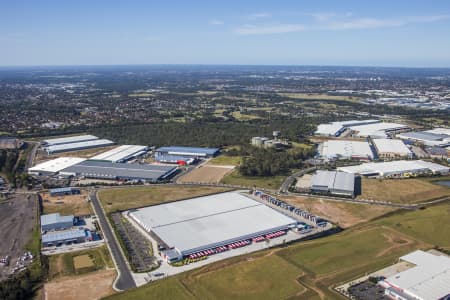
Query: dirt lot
x=343 y=214
x=82 y=261
x=66 y=205
x=401 y=190
x=18 y=218
x=87 y=287
x=207 y=174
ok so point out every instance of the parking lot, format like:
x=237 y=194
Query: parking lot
x=367 y=290
x=139 y=249
x=18 y=215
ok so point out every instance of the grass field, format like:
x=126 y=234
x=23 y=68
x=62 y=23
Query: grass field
x=126 y=198
x=401 y=190
x=430 y=224
x=306 y=96
x=63 y=264
x=82 y=261
x=243 y=117
x=226 y=160
x=273 y=182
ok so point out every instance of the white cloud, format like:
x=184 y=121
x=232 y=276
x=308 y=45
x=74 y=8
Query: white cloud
x=216 y=22
x=261 y=15
x=268 y=29
x=371 y=23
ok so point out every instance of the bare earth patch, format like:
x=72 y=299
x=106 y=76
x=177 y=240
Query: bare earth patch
x=341 y=213
x=87 y=287
x=207 y=174
x=71 y=204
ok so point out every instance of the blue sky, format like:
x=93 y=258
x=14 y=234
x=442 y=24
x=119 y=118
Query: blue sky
x=340 y=32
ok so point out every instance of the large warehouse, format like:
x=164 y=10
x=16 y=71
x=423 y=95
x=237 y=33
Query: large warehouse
x=56 y=238
x=336 y=128
x=69 y=139
x=56 y=222
x=428 y=279
x=121 y=153
x=377 y=130
x=188 y=151
x=53 y=166
x=435 y=137
x=391 y=149
x=77 y=146
x=208 y=222
x=119 y=171
x=338 y=149
x=401 y=168
x=334 y=183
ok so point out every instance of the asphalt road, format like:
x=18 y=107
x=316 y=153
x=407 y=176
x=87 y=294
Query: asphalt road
x=290 y=180
x=125 y=280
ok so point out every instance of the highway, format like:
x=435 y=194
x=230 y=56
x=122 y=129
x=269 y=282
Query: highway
x=125 y=280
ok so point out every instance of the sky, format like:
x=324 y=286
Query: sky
x=303 y=32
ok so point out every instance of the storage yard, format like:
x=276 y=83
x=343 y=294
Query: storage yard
x=18 y=221
x=206 y=174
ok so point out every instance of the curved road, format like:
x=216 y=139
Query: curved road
x=124 y=280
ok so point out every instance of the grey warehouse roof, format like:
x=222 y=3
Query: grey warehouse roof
x=56 y=236
x=334 y=180
x=70 y=139
x=55 y=218
x=108 y=170
x=204 y=222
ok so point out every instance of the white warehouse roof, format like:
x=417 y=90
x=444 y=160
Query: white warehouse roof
x=395 y=167
x=391 y=146
x=120 y=153
x=70 y=139
x=377 y=129
x=205 y=222
x=340 y=149
x=429 y=279
x=78 y=145
x=55 y=165
x=335 y=128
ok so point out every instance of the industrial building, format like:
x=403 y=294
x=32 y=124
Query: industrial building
x=333 y=183
x=175 y=159
x=401 y=169
x=428 y=279
x=53 y=166
x=199 y=152
x=339 y=149
x=377 y=130
x=391 y=149
x=121 y=154
x=64 y=191
x=337 y=128
x=77 y=146
x=68 y=140
x=56 y=222
x=57 y=238
x=209 y=222
x=435 y=137
x=119 y=171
